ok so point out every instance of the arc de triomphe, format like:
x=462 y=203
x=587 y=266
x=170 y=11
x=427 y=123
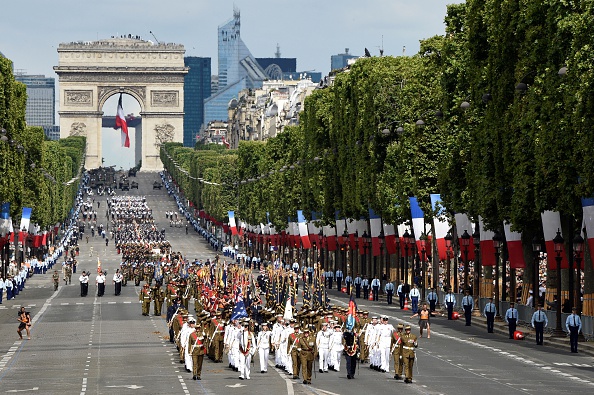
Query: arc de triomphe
x=91 y=72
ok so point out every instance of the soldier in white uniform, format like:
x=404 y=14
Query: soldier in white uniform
x=289 y=328
x=246 y=347
x=371 y=342
x=277 y=330
x=336 y=348
x=323 y=344
x=264 y=347
x=384 y=341
x=185 y=337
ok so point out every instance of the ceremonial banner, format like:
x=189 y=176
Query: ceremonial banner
x=588 y=208
x=390 y=238
x=303 y=230
x=375 y=223
x=463 y=223
x=487 y=248
x=441 y=225
x=551 y=223
x=232 y=223
x=514 y=247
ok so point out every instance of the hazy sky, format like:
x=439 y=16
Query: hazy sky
x=310 y=31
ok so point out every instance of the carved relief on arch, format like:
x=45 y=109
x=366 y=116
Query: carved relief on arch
x=164 y=134
x=105 y=92
x=78 y=129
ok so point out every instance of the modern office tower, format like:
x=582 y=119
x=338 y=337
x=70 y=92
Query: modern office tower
x=197 y=88
x=340 y=61
x=41 y=99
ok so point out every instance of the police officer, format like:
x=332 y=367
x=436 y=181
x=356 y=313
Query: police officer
x=389 y=290
x=489 y=311
x=358 y=281
x=348 y=281
x=432 y=299
x=573 y=323
x=375 y=287
x=339 y=276
x=450 y=301
x=365 y=285
x=539 y=322
x=401 y=294
x=467 y=305
x=511 y=317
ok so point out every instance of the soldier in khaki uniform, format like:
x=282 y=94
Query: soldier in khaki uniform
x=307 y=351
x=68 y=274
x=56 y=278
x=364 y=353
x=396 y=348
x=145 y=298
x=197 y=349
x=158 y=296
x=408 y=353
x=293 y=351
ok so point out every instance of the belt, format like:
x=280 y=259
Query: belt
x=408 y=348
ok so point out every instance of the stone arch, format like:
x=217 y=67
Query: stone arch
x=91 y=72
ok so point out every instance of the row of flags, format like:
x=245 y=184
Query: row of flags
x=350 y=232
x=27 y=228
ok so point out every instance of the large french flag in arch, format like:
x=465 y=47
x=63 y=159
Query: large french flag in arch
x=418 y=220
x=463 y=223
x=514 y=247
x=375 y=223
x=441 y=225
x=487 y=248
x=303 y=230
x=588 y=208
x=120 y=123
x=551 y=222
x=232 y=223
x=390 y=238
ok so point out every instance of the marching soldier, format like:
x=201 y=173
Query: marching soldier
x=145 y=298
x=67 y=274
x=197 y=350
x=397 y=352
x=408 y=353
x=264 y=347
x=56 y=278
x=158 y=296
x=307 y=351
x=350 y=343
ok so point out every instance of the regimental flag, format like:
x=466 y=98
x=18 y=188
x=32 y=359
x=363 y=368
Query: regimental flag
x=25 y=219
x=390 y=238
x=5 y=219
x=303 y=230
x=375 y=224
x=551 y=223
x=441 y=225
x=120 y=123
x=232 y=223
x=487 y=248
x=514 y=247
x=588 y=208
x=463 y=223
x=350 y=322
x=239 y=308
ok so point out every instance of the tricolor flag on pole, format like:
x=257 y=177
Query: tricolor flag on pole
x=418 y=220
x=25 y=219
x=441 y=225
x=463 y=223
x=487 y=247
x=375 y=224
x=402 y=228
x=390 y=238
x=232 y=223
x=551 y=223
x=303 y=230
x=514 y=247
x=120 y=123
x=588 y=208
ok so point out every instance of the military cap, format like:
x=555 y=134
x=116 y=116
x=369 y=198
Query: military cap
x=305 y=328
x=400 y=326
x=407 y=328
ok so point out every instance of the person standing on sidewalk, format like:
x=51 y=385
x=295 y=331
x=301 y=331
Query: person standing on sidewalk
x=401 y=295
x=389 y=290
x=348 y=281
x=365 y=285
x=511 y=317
x=539 y=322
x=573 y=323
x=2 y=286
x=467 y=305
x=432 y=299
x=358 y=281
x=339 y=276
x=375 y=287
x=490 y=310
x=450 y=301
x=414 y=298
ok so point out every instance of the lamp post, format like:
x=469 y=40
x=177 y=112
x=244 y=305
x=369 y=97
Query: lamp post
x=448 y=243
x=536 y=248
x=578 y=248
x=423 y=242
x=497 y=242
x=465 y=242
x=476 y=240
x=406 y=238
x=558 y=241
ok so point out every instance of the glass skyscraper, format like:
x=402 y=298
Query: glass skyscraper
x=41 y=94
x=238 y=70
x=197 y=87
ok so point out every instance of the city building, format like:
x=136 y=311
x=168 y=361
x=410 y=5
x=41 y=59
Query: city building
x=41 y=100
x=341 y=61
x=238 y=70
x=197 y=87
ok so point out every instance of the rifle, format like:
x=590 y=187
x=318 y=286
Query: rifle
x=395 y=345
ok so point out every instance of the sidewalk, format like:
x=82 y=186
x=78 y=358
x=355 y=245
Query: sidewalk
x=499 y=328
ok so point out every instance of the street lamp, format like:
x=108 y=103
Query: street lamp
x=448 y=243
x=558 y=241
x=536 y=248
x=465 y=242
x=497 y=243
x=578 y=248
